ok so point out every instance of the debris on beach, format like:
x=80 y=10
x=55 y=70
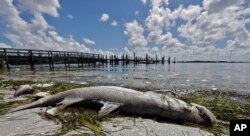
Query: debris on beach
x=23 y=89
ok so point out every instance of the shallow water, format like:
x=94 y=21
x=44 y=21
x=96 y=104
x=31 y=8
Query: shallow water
x=232 y=76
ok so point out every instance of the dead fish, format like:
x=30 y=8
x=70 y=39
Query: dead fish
x=23 y=89
x=128 y=101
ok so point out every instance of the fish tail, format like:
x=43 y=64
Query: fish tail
x=26 y=106
x=43 y=102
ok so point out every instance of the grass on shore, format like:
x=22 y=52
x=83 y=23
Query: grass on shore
x=55 y=88
x=72 y=118
x=6 y=106
x=223 y=106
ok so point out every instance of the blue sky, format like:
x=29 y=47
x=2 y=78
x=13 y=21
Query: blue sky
x=85 y=22
x=204 y=28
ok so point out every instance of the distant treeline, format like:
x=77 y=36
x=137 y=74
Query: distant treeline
x=200 y=61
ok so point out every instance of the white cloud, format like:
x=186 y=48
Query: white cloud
x=114 y=23
x=155 y=50
x=108 y=53
x=210 y=28
x=135 y=31
x=137 y=12
x=37 y=34
x=3 y=45
x=70 y=16
x=215 y=6
x=40 y=6
x=88 y=41
x=144 y=2
x=158 y=17
x=104 y=17
x=201 y=29
x=158 y=22
x=241 y=41
x=190 y=13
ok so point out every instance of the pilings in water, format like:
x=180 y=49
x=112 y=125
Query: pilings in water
x=174 y=60
x=31 y=60
x=6 y=59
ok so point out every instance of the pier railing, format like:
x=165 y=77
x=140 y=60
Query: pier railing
x=32 y=57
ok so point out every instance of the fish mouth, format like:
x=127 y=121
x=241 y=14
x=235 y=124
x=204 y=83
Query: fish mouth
x=208 y=117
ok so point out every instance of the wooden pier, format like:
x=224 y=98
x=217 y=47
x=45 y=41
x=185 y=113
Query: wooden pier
x=34 y=57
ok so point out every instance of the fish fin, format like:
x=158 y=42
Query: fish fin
x=68 y=101
x=107 y=108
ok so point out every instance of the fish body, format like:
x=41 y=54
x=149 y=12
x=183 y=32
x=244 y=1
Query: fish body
x=23 y=89
x=129 y=101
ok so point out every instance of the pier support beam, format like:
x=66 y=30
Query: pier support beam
x=31 y=61
x=6 y=59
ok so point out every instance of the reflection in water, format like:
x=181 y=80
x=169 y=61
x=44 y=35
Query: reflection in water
x=181 y=75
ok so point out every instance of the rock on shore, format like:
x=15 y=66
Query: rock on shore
x=26 y=122
x=128 y=126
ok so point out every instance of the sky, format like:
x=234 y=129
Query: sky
x=187 y=29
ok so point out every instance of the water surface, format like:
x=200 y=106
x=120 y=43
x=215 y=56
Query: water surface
x=232 y=76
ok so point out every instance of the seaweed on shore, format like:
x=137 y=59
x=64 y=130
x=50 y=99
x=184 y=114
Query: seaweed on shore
x=223 y=106
x=6 y=106
x=55 y=88
x=60 y=87
x=14 y=83
x=73 y=118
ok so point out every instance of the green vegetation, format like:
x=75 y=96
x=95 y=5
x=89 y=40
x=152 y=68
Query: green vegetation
x=14 y=83
x=6 y=106
x=72 y=118
x=57 y=87
x=60 y=87
x=223 y=106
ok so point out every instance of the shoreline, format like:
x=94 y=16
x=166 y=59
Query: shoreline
x=217 y=101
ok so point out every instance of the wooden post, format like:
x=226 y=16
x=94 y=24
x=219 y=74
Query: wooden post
x=65 y=60
x=82 y=60
x=127 y=61
x=52 y=61
x=6 y=59
x=78 y=60
x=88 y=56
x=94 y=59
x=134 y=58
x=156 y=59
x=31 y=61
x=49 y=60
x=68 y=59
x=106 y=58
